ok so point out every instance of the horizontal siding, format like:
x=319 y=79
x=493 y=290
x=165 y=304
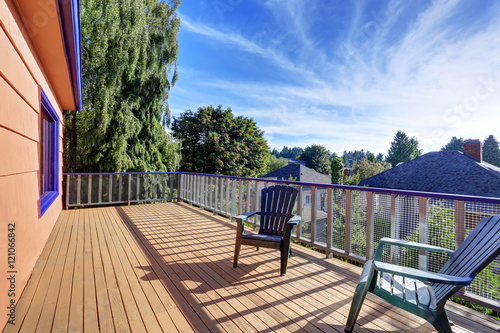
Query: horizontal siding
x=14 y=70
x=16 y=114
x=19 y=154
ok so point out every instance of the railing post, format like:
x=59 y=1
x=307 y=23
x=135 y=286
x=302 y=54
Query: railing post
x=240 y=196
x=128 y=189
x=171 y=187
x=233 y=199
x=369 y=225
x=347 y=243
x=205 y=190
x=227 y=196
x=78 y=188
x=210 y=192
x=89 y=189
x=100 y=189
x=313 y=214
x=67 y=190
x=248 y=209
x=155 y=187
x=163 y=186
x=120 y=188
x=110 y=188
x=137 y=186
x=299 y=211
x=146 y=187
x=256 y=203
x=422 y=234
x=216 y=195
x=394 y=233
x=459 y=223
x=329 y=221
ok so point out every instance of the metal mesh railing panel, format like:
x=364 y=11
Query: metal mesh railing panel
x=358 y=223
x=339 y=221
x=487 y=283
x=381 y=206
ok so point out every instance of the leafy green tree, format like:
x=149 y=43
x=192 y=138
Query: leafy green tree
x=366 y=169
x=129 y=63
x=317 y=158
x=215 y=141
x=403 y=148
x=276 y=163
x=337 y=170
x=491 y=151
x=380 y=157
x=454 y=144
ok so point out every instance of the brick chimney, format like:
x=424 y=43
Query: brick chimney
x=474 y=149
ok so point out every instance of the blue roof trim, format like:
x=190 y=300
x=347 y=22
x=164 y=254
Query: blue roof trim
x=70 y=18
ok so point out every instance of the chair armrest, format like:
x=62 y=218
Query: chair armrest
x=408 y=244
x=245 y=216
x=294 y=220
x=422 y=275
x=240 y=221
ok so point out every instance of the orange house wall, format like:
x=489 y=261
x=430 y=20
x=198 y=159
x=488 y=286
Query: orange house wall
x=21 y=76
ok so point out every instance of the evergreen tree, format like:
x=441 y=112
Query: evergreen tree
x=402 y=149
x=337 y=170
x=214 y=141
x=455 y=144
x=129 y=63
x=317 y=158
x=491 y=151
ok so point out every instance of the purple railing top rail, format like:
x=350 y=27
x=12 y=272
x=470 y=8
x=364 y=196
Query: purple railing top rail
x=434 y=195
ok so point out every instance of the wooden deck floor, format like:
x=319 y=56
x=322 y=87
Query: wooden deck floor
x=168 y=267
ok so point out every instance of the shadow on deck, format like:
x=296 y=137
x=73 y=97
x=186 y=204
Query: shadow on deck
x=168 y=267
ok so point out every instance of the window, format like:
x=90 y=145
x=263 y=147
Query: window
x=49 y=154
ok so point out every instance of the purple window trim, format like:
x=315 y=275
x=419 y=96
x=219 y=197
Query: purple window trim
x=48 y=197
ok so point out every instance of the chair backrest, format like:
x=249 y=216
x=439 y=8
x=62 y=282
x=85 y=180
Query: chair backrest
x=479 y=249
x=276 y=208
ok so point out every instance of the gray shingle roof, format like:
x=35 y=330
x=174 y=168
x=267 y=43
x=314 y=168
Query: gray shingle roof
x=300 y=173
x=442 y=172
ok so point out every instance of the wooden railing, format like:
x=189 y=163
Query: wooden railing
x=91 y=189
x=346 y=221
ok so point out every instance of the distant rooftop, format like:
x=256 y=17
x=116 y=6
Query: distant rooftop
x=299 y=173
x=443 y=172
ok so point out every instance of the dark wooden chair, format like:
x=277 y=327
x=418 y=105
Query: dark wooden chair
x=425 y=293
x=276 y=223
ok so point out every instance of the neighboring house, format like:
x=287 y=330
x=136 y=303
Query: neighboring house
x=301 y=173
x=443 y=172
x=451 y=172
x=39 y=79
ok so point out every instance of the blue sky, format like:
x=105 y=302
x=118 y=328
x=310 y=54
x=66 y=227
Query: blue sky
x=345 y=74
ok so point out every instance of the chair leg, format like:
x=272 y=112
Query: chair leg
x=359 y=295
x=285 y=251
x=237 y=247
x=441 y=322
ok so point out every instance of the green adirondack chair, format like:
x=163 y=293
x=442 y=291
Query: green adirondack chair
x=425 y=293
x=276 y=223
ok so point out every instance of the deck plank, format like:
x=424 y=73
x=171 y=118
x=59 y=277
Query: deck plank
x=168 y=268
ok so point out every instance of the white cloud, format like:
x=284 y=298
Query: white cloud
x=429 y=83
